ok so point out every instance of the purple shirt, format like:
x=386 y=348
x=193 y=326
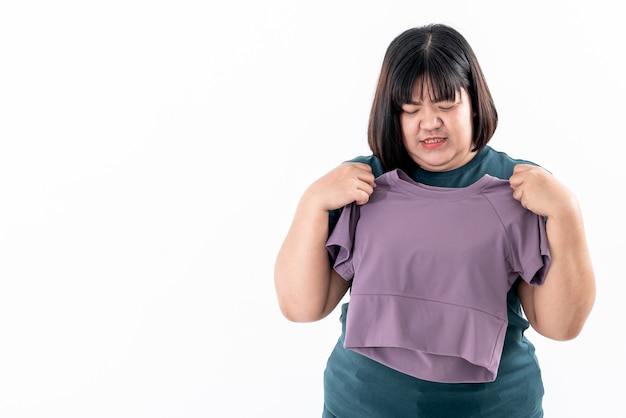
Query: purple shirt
x=431 y=268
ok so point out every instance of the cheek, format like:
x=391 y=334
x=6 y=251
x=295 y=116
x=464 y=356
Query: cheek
x=465 y=121
x=406 y=126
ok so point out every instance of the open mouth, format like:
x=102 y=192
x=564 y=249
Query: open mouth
x=433 y=140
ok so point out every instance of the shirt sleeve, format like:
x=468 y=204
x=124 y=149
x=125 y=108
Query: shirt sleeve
x=529 y=247
x=341 y=240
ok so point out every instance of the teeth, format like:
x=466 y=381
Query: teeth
x=432 y=141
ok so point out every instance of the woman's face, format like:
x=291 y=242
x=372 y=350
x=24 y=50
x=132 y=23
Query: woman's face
x=438 y=136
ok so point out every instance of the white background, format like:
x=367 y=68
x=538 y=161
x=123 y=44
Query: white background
x=151 y=157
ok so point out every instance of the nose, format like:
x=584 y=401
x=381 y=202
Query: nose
x=430 y=120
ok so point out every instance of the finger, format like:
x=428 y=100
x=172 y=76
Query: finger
x=366 y=188
x=520 y=168
x=362 y=198
x=518 y=193
x=358 y=166
x=369 y=180
x=365 y=174
x=515 y=181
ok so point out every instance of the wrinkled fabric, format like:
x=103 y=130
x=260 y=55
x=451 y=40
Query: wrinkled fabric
x=431 y=268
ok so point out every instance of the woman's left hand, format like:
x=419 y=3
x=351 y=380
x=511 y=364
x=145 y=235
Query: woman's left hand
x=539 y=191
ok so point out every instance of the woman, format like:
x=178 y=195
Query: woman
x=432 y=118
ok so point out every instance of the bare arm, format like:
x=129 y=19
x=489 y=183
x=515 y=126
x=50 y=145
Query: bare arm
x=308 y=289
x=559 y=308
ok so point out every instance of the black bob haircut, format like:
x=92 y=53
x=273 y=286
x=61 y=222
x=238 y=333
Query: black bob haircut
x=440 y=56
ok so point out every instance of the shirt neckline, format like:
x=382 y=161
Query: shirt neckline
x=436 y=176
x=404 y=181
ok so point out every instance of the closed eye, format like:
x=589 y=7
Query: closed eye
x=410 y=110
x=447 y=106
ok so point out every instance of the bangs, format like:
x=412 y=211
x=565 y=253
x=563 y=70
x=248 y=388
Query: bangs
x=442 y=80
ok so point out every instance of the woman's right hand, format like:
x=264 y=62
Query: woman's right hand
x=347 y=183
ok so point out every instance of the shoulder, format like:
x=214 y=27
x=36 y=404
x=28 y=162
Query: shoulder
x=499 y=164
x=504 y=157
x=372 y=161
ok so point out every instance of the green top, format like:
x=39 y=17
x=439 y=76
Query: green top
x=355 y=386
